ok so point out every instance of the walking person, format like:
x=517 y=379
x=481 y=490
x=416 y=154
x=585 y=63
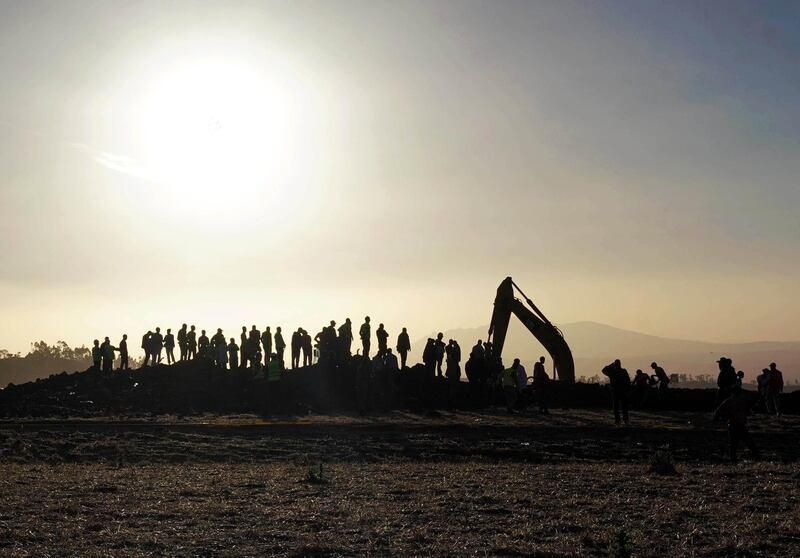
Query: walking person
x=169 y=345
x=403 y=346
x=735 y=409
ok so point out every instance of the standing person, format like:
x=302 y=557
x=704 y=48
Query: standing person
x=736 y=408
x=183 y=344
x=169 y=345
x=510 y=389
x=641 y=385
x=191 y=344
x=123 y=352
x=203 y=343
x=439 y=348
x=383 y=336
x=774 y=389
x=253 y=345
x=146 y=346
x=453 y=369
x=107 y=353
x=266 y=341
x=725 y=380
x=429 y=359
x=233 y=354
x=364 y=333
x=220 y=348
x=245 y=348
x=280 y=346
x=346 y=337
x=296 y=343
x=541 y=383
x=157 y=345
x=97 y=356
x=661 y=377
x=620 y=383
x=763 y=381
x=306 y=346
x=478 y=351
x=403 y=346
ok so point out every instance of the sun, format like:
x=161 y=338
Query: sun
x=212 y=126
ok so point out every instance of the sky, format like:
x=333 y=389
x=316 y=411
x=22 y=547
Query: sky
x=287 y=163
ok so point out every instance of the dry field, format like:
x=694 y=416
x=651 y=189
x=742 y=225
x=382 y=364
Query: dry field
x=402 y=484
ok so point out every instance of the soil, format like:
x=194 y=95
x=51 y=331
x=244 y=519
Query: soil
x=438 y=483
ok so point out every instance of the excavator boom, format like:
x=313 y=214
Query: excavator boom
x=506 y=304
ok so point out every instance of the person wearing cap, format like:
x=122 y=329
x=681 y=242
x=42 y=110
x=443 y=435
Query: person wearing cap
x=774 y=389
x=735 y=409
x=725 y=380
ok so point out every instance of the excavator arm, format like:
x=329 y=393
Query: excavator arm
x=545 y=332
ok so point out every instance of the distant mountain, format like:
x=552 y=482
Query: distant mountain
x=594 y=345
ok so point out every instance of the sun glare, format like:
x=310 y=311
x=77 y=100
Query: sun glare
x=221 y=126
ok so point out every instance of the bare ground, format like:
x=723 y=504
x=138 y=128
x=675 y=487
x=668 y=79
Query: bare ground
x=401 y=484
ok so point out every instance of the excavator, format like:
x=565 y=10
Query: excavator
x=505 y=304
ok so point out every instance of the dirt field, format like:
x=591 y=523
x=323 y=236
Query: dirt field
x=401 y=484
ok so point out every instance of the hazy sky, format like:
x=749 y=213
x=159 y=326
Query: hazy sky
x=633 y=163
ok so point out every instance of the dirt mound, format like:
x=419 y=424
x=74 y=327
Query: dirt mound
x=198 y=387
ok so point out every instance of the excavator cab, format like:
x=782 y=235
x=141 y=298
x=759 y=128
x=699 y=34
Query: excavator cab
x=551 y=338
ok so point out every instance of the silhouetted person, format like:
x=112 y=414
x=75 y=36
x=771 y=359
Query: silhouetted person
x=157 y=341
x=245 y=348
x=146 y=346
x=403 y=346
x=296 y=344
x=123 y=352
x=541 y=386
x=169 y=345
x=266 y=342
x=620 y=383
x=774 y=389
x=97 y=356
x=478 y=350
x=735 y=409
x=453 y=369
x=220 y=348
x=307 y=348
x=439 y=348
x=365 y=334
x=739 y=378
x=107 y=352
x=725 y=380
x=429 y=359
x=346 y=336
x=203 y=343
x=383 y=337
x=233 y=354
x=253 y=345
x=510 y=386
x=641 y=385
x=183 y=343
x=280 y=346
x=762 y=381
x=191 y=344
x=661 y=377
